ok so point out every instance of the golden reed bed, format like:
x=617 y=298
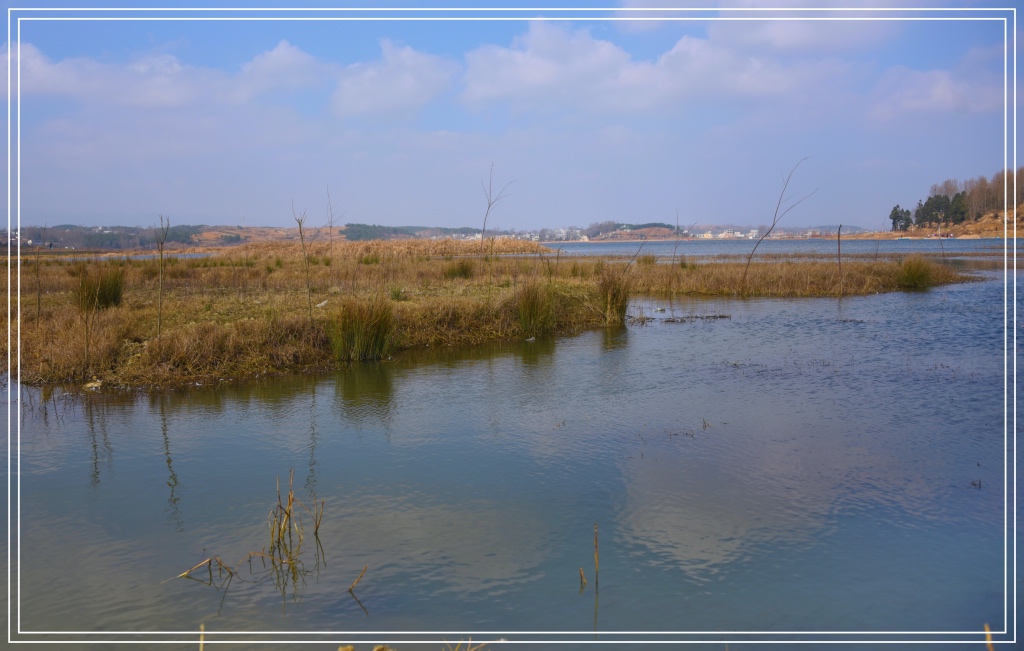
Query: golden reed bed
x=268 y=308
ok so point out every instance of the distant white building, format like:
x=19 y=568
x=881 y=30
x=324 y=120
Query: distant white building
x=754 y=234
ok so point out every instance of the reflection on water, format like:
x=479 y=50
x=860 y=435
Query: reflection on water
x=365 y=392
x=614 y=338
x=800 y=466
x=172 y=479
x=99 y=441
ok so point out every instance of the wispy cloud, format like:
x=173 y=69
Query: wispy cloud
x=402 y=81
x=284 y=68
x=785 y=35
x=903 y=92
x=157 y=81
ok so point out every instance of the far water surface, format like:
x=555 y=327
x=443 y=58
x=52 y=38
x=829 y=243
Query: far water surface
x=945 y=247
x=813 y=469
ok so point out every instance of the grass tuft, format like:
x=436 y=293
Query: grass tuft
x=915 y=273
x=363 y=330
x=614 y=289
x=100 y=292
x=460 y=269
x=535 y=309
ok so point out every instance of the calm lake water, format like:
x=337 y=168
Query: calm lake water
x=737 y=247
x=801 y=470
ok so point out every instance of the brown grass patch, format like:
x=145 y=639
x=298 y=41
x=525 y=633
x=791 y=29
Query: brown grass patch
x=245 y=312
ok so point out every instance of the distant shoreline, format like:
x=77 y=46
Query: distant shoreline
x=862 y=236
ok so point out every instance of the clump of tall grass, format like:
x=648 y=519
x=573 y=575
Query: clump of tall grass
x=915 y=273
x=363 y=330
x=614 y=289
x=647 y=260
x=460 y=269
x=92 y=294
x=535 y=308
x=101 y=291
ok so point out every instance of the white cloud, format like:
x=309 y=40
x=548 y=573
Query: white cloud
x=787 y=35
x=284 y=68
x=161 y=80
x=551 y=66
x=903 y=92
x=157 y=81
x=402 y=81
x=548 y=64
x=707 y=69
x=782 y=35
x=646 y=15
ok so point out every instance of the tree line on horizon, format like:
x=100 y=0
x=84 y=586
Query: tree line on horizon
x=956 y=202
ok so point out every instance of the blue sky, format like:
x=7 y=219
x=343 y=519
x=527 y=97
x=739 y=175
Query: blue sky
x=225 y=122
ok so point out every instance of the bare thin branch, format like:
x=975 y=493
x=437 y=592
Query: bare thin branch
x=775 y=219
x=492 y=201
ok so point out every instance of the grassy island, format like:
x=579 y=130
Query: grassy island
x=274 y=307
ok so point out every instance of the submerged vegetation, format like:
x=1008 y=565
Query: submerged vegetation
x=281 y=560
x=265 y=308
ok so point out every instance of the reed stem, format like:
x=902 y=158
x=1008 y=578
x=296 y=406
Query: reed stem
x=358 y=578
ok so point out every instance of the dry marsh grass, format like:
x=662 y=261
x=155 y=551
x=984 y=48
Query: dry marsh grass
x=791 y=278
x=246 y=312
x=363 y=330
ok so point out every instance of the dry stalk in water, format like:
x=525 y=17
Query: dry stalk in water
x=284 y=554
x=358 y=578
